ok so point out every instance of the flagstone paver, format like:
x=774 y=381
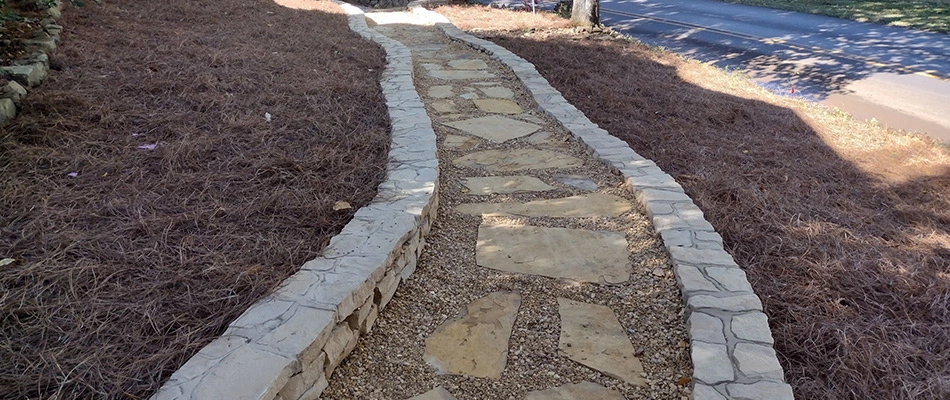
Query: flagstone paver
x=499 y=92
x=458 y=142
x=581 y=255
x=498 y=106
x=591 y=335
x=505 y=184
x=475 y=343
x=585 y=205
x=495 y=128
x=576 y=391
x=460 y=74
x=468 y=64
x=578 y=181
x=441 y=91
x=517 y=159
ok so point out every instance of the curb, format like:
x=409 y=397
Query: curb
x=287 y=345
x=730 y=339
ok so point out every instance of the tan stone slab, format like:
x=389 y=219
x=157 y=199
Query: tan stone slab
x=591 y=335
x=517 y=159
x=580 y=255
x=585 y=205
x=459 y=74
x=444 y=106
x=468 y=64
x=576 y=391
x=498 y=106
x=439 y=393
x=440 y=91
x=498 y=92
x=494 y=128
x=475 y=343
x=464 y=143
x=505 y=184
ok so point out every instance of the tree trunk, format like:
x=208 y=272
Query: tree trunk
x=586 y=13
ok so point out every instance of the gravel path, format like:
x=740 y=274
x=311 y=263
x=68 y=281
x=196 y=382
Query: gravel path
x=392 y=361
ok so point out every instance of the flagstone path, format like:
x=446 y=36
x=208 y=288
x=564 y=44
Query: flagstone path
x=541 y=279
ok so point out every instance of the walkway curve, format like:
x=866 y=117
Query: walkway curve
x=288 y=344
x=731 y=343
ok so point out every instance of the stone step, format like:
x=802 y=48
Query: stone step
x=585 y=205
x=576 y=254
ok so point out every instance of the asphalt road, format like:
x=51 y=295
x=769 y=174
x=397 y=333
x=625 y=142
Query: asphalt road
x=897 y=76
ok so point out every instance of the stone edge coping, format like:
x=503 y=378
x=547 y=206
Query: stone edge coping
x=730 y=339
x=31 y=71
x=287 y=344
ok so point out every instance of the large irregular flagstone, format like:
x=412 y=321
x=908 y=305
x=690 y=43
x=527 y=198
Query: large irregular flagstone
x=517 y=159
x=578 y=181
x=495 y=128
x=498 y=106
x=498 y=92
x=585 y=205
x=505 y=184
x=441 y=91
x=439 y=393
x=475 y=343
x=459 y=74
x=577 y=254
x=576 y=391
x=591 y=335
x=468 y=64
x=457 y=142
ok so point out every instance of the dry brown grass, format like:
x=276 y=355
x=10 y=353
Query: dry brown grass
x=843 y=227
x=127 y=269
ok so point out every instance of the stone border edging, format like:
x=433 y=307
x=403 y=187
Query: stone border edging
x=730 y=339
x=287 y=345
x=28 y=73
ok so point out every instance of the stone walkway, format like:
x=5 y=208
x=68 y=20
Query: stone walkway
x=540 y=280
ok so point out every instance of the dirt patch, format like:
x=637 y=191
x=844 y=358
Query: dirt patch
x=183 y=158
x=842 y=226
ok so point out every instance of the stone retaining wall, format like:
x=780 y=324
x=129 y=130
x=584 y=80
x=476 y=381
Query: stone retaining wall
x=287 y=345
x=731 y=343
x=30 y=71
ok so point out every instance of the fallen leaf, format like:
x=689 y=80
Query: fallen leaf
x=683 y=381
x=7 y=261
x=341 y=205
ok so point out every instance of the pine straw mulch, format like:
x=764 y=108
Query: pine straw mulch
x=842 y=226
x=147 y=201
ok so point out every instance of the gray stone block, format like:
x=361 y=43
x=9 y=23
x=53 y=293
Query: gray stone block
x=762 y=390
x=757 y=361
x=677 y=238
x=706 y=392
x=743 y=302
x=27 y=75
x=691 y=279
x=751 y=326
x=288 y=328
x=732 y=279
x=711 y=363
x=703 y=257
x=705 y=328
